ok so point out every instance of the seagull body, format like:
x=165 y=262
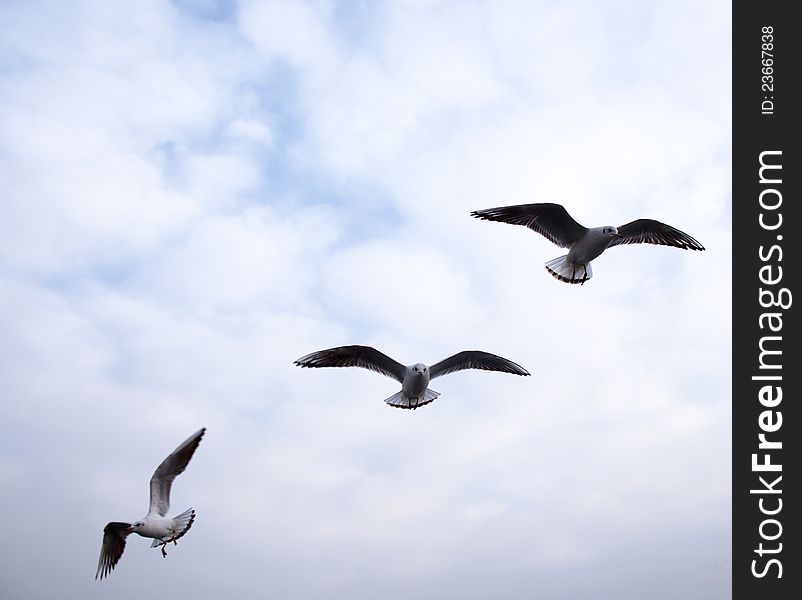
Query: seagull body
x=414 y=379
x=554 y=223
x=156 y=524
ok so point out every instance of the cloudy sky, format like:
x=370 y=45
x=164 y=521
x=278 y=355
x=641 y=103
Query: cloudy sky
x=195 y=193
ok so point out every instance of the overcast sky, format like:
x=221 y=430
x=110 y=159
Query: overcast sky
x=195 y=193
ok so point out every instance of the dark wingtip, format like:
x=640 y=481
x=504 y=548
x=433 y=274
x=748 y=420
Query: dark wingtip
x=519 y=370
x=198 y=435
x=301 y=362
x=692 y=246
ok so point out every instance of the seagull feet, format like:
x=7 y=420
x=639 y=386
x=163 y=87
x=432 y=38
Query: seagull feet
x=173 y=539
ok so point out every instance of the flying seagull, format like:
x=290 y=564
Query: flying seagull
x=414 y=379
x=156 y=524
x=553 y=222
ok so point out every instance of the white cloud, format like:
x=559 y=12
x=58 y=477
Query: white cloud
x=295 y=31
x=251 y=129
x=193 y=199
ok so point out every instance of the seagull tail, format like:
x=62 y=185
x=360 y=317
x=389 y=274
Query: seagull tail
x=182 y=524
x=569 y=272
x=399 y=400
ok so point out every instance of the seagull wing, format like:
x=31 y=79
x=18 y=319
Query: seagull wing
x=548 y=219
x=114 y=535
x=355 y=356
x=648 y=231
x=475 y=359
x=171 y=467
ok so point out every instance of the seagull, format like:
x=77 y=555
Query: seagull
x=156 y=524
x=414 y=379
x=553 y=222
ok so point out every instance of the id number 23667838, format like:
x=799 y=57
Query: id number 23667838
x=767 y=70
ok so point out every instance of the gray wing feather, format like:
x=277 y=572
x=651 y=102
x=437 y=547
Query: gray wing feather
x=171 y=467
x=649 y=231
x=114 y=535
x=475 y=359
x=548 y=219
x=355 y=356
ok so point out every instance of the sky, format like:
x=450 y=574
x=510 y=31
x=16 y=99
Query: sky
x=197 y=192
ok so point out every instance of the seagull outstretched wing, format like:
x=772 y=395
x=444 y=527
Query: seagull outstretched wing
x=114 y=535
x=649 y=231
x=548 y=219
x=355 y=356
x=475 y=359
x=171 y=467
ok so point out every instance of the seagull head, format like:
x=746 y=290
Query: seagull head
x=420 y=368
x=136 y=527
x=611 y=231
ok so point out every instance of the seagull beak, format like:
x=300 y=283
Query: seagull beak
x=618 y=235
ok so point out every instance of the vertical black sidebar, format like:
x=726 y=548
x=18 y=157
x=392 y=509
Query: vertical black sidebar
x=767 y=437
